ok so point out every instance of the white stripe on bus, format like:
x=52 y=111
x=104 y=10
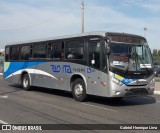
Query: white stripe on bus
x=32 y=71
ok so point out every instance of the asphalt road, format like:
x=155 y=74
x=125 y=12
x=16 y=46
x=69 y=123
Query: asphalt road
x=45 y=106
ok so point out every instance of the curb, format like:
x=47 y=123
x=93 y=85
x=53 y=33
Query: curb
x=157 y=92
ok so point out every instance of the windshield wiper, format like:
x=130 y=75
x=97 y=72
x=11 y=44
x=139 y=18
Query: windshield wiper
x=127 y=68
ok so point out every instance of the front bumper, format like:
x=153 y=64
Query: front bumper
x=139 y=92
x=131 y=91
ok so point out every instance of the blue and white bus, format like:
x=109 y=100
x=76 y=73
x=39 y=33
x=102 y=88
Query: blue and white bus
x=114 y=65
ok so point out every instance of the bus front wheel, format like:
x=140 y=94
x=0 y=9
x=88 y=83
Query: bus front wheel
x=79 y=90
x=26 y=82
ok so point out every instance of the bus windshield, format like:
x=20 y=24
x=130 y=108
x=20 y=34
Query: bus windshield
x=130 y=57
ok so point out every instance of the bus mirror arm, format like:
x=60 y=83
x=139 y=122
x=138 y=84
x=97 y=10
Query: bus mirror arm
x=107 y=47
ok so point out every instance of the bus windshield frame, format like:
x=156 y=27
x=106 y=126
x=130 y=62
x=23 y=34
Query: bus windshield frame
x=132 y=57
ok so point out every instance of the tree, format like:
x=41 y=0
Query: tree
x=155 y=52
x=158 y=53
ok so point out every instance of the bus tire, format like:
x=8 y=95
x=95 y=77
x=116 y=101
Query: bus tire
x=26 y=82
x=79 y=90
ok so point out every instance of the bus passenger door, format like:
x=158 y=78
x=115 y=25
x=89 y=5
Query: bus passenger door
x=93 y=71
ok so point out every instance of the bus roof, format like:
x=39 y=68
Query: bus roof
x=96 y=33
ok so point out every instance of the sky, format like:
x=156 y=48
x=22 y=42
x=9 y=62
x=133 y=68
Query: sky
x=22 y=20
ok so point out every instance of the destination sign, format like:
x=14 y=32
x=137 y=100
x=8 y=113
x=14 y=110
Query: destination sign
x=126 y=39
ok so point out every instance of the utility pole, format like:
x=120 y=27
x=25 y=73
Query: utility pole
x=145 y=30
x=82 y=7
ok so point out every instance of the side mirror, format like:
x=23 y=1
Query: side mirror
x=107 y=47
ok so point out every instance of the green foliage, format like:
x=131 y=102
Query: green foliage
x=158 y=53
x=156 y=56
x=154 y=52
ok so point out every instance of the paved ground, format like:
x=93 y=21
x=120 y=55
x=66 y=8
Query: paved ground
x=157 y=86
x=44 y=106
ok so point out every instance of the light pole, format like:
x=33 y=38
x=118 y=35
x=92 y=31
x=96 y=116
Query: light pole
x=145 y=31
x=82 y=7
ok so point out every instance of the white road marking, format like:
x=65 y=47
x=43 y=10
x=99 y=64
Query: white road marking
x=1 y=73
x=99 y=107
x=5 y=97
x=3 y=122
x=157 y=92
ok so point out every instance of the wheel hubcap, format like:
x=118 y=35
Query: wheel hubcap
x=78 y=90
x=25 y=82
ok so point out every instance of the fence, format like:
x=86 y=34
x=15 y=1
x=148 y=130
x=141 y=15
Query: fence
x=1 y=63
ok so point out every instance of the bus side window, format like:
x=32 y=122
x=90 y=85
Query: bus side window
x=25 y=52
x=14 y=55
x=74 y=49
x=7 y=54
x=40 y=51
x=56 y=51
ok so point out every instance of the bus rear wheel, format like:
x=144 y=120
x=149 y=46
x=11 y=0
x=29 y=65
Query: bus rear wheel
x=79 y=90
x=26 y=82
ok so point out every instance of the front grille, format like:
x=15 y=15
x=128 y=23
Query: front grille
x=137 y=92
x=137 y=85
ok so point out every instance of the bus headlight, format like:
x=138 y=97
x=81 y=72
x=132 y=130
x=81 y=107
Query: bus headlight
x=118 y=82
x=152 y=84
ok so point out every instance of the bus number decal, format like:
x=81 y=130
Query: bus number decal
x=65 y=68
x=56 y=68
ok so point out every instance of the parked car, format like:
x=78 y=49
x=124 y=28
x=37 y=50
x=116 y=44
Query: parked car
x=157 y=71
